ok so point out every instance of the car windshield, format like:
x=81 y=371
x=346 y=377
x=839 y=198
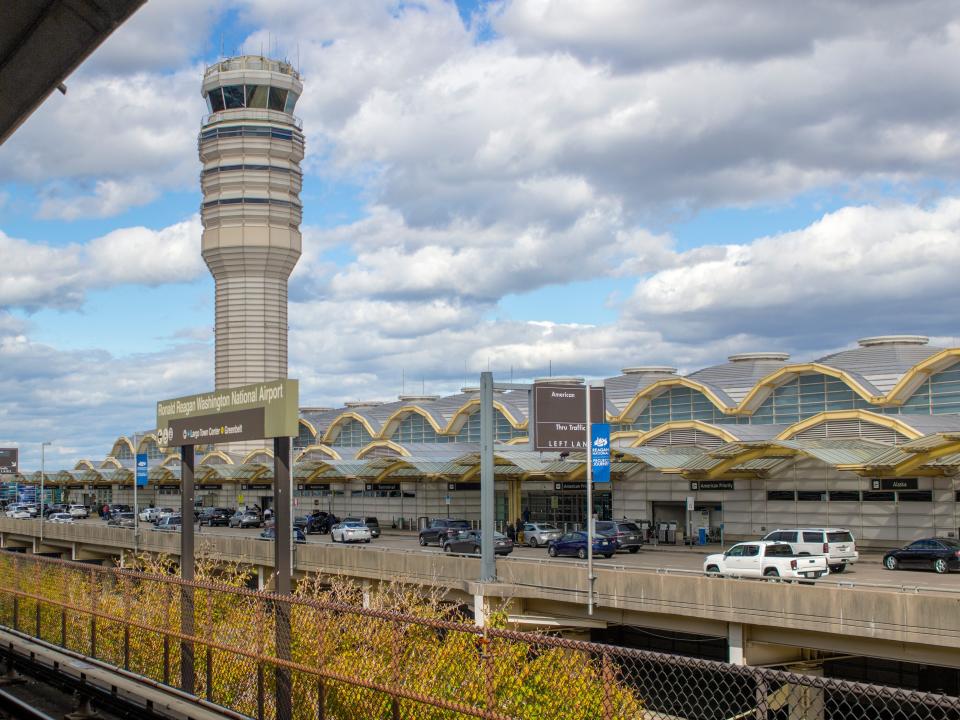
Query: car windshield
x=353 y=524
x=372 y=521
x=628 y=527
x=547 y=528
x=459 y=524
x=843 y=536
x=950 y=542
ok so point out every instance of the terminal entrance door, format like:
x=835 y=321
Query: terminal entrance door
x=567 y=509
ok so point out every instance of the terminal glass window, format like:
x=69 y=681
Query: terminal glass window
x=503 y=430
x=305 y=438
x=233 y=96
x=352 y=434
x=938 y=394
x=806 y=396
x=291 y=102
x=257 y=96
x=414 y=428
x=679 y=403
x=124 y=453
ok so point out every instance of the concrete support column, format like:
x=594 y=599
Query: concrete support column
x=514 y=499
x=479 y=611
x=365 y=589
x=807 y=702
x=735 y=643
x=261 y=577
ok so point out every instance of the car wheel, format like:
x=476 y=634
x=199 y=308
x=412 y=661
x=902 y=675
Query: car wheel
x=634 y=549
x=608 y=555
x=367 y=540
x=552 y=551
x=447 y=548
x=837 y=569
x=890 y=562
x=772 y=574
x=713 y=571
x=532 y=542
x=423 y=541
x=940 y=565
x=582 y=553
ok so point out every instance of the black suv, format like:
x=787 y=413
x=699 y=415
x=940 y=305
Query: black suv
x=319 y=521
x=213 y=516
x=441 y=529
x=626 y=534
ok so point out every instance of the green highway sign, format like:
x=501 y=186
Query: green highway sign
x=250 y=412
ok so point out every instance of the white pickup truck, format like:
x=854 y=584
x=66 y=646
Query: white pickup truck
x=765 y=559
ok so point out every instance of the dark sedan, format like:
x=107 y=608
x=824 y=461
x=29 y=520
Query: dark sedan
x=468 y=542
x=575 y=544
x=271 y=534
x=939 y=554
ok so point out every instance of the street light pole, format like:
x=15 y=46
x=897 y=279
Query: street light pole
x=136 y=509
x=43 y=475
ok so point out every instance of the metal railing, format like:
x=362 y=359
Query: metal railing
x=309 y=656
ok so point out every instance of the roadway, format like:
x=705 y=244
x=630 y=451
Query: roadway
x=669 y=558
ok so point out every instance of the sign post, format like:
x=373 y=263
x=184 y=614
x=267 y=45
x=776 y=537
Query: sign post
x=250 y=412
x=139 y=481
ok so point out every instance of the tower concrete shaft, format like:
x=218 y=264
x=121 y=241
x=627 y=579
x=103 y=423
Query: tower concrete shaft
x=251 y=146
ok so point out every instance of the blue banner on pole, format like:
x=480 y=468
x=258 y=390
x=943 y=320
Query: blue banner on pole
x=600 y=451
x=143 y=470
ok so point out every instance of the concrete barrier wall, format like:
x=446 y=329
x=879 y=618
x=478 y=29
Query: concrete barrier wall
x=887 y=615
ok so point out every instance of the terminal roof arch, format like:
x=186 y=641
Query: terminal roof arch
x=377 y=444
x=892 y=422
x=642 y=398
x=208 y=459
x=313 y=449
x=704 y=427
x=762 y=390
x=915 y=376
x=334 y=429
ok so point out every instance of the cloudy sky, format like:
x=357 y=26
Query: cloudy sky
x=518 y=184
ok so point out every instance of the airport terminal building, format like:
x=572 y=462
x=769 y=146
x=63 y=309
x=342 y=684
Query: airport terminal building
x=866 y=439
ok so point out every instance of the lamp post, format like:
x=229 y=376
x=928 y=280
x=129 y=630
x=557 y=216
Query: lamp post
x=43 y=475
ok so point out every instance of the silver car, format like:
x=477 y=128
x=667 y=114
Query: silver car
x=540 y=534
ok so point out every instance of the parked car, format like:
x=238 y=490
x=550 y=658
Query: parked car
x=936 y=553
x=540 y=534
x=244 y=519
x=214 y=516
x=837 y=544
x=319 y=521
x=60 y=517
x=350 y=531
x=164 y=513
x=575 y=543
x=271 y=534
x=149 y=514
x=765 y=559
x=440 y=528
x=469 y=541
x=626 y=534
x=121 y=519
x=370 y=521
x=171 y=523
x=52 y=508
x=23 y=512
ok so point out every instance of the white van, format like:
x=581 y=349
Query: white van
x=837 y=544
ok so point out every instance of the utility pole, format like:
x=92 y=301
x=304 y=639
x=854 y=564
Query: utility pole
x=43 y=476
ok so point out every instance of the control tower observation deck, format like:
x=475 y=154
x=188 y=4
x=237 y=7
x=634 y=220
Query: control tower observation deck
x=251 y=146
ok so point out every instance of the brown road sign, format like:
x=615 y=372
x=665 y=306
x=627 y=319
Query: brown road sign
x=561 y=416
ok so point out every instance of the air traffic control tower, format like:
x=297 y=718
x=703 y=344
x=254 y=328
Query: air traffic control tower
x=251 y=146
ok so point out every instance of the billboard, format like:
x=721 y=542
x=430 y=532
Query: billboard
x=560 y=416
x=9 y=460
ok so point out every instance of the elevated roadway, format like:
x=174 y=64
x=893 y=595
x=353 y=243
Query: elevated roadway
x=764 y=623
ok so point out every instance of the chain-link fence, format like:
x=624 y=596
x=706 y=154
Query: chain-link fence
x=302 y=656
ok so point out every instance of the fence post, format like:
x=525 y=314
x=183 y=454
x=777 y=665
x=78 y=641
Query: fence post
x=761 y=698
x=93 y=614
x=16 y=594
x=321 y=700
x=607 y=673
x=209 y=634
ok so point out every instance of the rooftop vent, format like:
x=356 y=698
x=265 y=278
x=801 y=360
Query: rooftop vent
x=560 y=380
x=362 y=403
x=649 y=370
x=746 y=357
x=893 y=340
x=316 y=409
x=418 y=398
